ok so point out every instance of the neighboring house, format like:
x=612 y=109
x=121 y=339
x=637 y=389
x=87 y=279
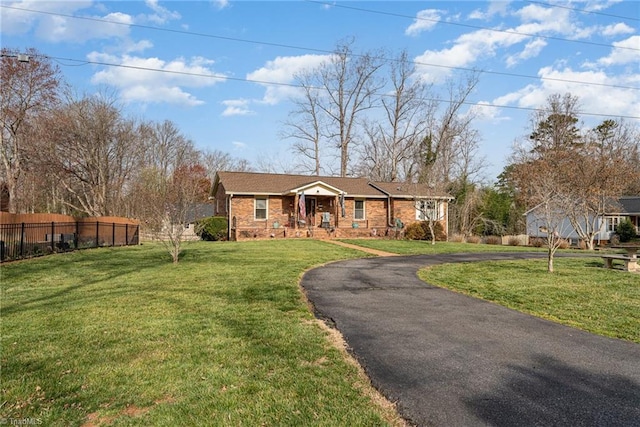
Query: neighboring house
x=261 y=205
x=195 y=213
x=192 y=215
x=626 y=207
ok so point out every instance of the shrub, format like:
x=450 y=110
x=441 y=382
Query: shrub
x=420 y=231
x=493 y=240
x=212 y=228
x=513 y=241
x=457 y=238
x=537 y=242
x=625 y=230
x=473 y=239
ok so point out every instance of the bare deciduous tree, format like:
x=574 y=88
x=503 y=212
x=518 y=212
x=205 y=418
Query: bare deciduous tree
x=165 y=146
x=93 y=150
x=390 y=143
x=170 y=203
x=304 y=125
x=449 y=135
x=216 y=160
x=601 y=171
x=349 y=85
x=28 y=89
x=549 y=203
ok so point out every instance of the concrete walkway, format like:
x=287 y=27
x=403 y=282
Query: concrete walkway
x=360 y=248
x=451 y=360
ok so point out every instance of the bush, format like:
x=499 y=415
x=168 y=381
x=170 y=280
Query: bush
x=537 y=242
x=457 y=238
x=493 y=240
x=473 y=239
x=625 y=230
x=212 y=228
x=420 y=231
x=513 y=241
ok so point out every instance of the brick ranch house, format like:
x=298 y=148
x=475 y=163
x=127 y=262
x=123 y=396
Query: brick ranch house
x=264 y=205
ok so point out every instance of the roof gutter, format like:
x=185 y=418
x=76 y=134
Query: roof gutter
x=389 y=219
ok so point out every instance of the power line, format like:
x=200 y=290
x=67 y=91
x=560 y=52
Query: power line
x=592 y=12
x=264 y=82
x=323 y=51
x=476 y=27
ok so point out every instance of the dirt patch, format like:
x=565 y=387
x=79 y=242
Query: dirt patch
x=94 y=419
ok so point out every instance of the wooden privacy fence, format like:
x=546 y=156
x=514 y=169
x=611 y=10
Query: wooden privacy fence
x=29 y=239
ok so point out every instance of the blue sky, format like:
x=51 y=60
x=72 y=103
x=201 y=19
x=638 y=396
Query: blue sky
x=209 y=56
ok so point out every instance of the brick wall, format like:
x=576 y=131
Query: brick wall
x=406 y=211
x=220 y=202
x=281 y=217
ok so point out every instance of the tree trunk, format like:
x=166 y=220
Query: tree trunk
x=432 y=232
x=12 y=187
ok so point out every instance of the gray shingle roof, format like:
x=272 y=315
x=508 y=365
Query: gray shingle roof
x=630 y=205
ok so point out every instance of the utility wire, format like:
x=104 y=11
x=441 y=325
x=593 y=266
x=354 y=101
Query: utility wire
x=322 y=51
x=293 y=85
x=593 y=12
x=476 y=27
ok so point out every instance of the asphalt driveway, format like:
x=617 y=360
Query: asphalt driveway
x=451 y=360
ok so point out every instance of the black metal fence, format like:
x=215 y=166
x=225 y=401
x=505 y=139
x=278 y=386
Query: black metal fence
x=26 y=240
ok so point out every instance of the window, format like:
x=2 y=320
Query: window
x=427 y=210
x=358 y=211
x=261 y=208
x=612 y=223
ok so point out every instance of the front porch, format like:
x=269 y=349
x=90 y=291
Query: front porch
x=320 y=216
x=286 y=231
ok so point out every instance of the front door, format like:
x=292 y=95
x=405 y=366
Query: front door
x=310 y=206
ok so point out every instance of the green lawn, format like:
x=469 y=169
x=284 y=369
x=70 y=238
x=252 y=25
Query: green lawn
x=121 y=336
x=580 y=293
x=413 y=247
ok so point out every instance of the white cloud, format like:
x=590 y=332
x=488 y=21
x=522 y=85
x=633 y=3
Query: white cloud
x=16 y=21
x=485 y=43
x=496 y=7
x=236 y=107
x=618 y=101
x=137 y=46
x=159 y=95
x=282 y=70
x=56 y=28
x=162 y=14
x=239 y=145
x=596 y=5
x=220 y=4
x=62 y=29
x=623 y=56
x=531 y=50
x=617 y=29
x=484 y=111
x=425 y=20
x=153 y=80
x=467 y=49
